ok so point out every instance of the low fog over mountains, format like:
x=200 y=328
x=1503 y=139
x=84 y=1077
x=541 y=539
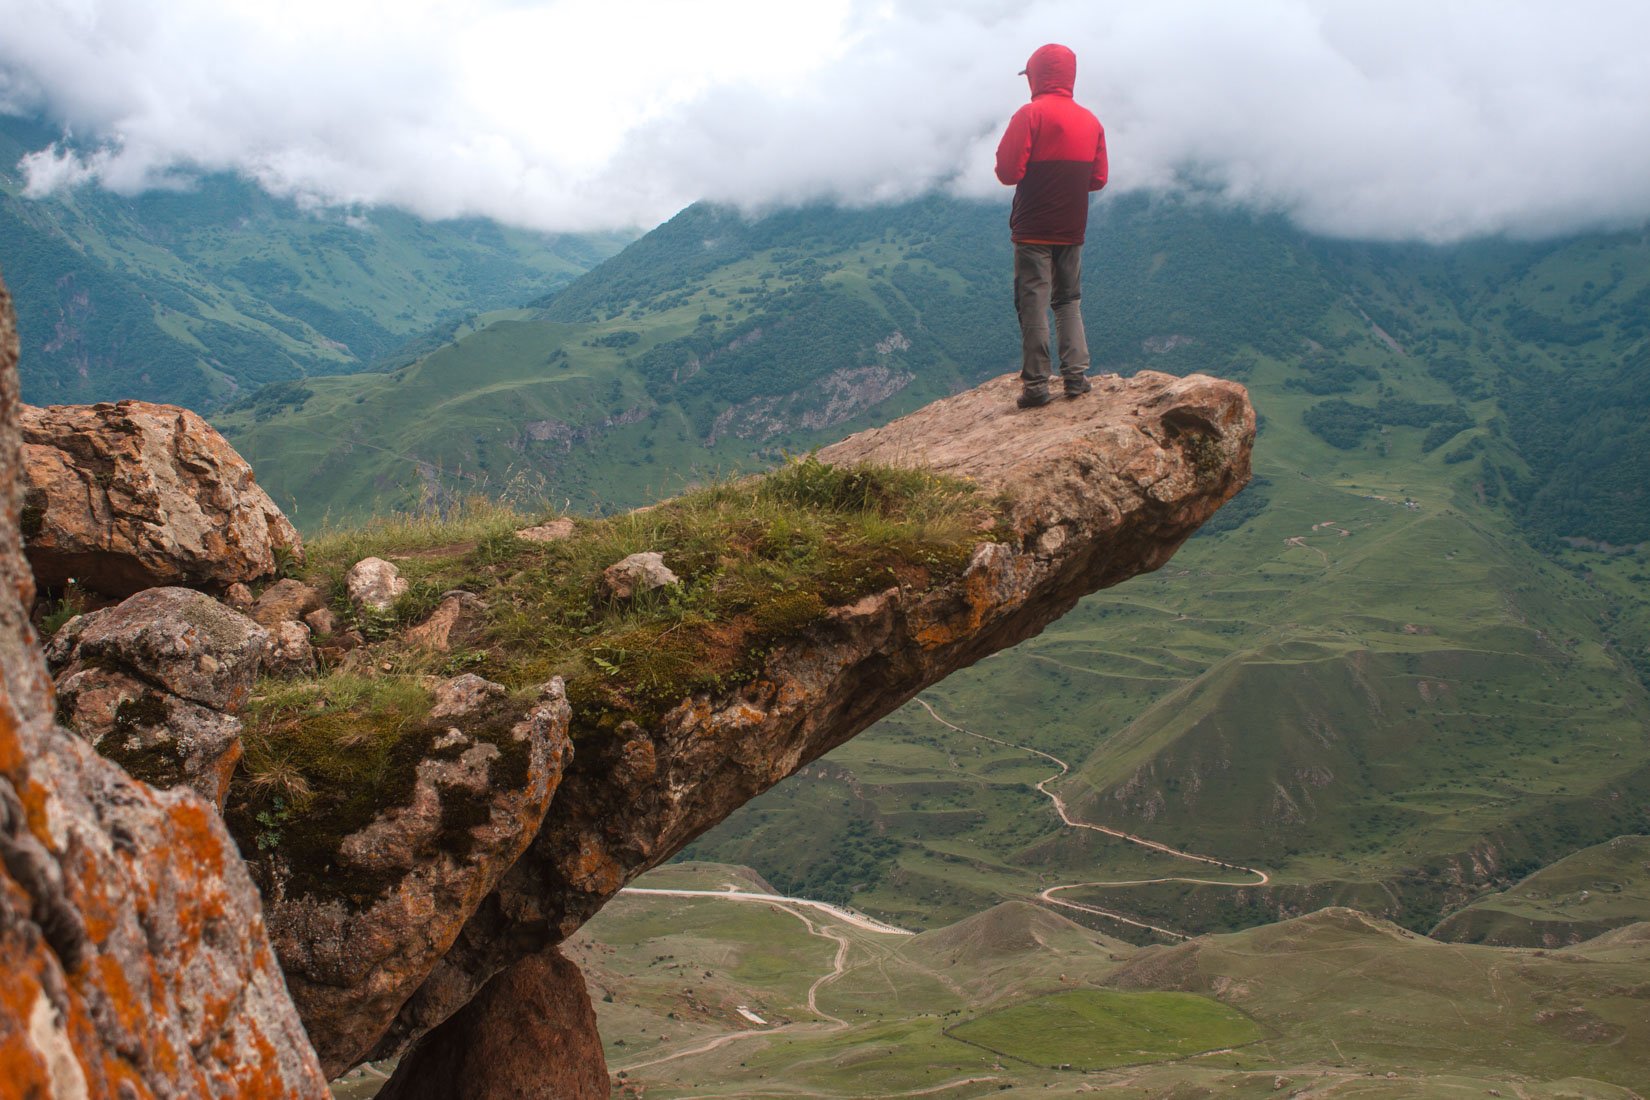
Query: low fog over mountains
x=1385 y=120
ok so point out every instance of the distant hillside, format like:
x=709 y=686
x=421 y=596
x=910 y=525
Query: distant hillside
x=732 y=339
x=199 y=297
x=1581 y=896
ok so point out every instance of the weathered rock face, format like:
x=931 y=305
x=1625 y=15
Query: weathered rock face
x=476 y=805
x=154 y=683
x=157 y=737
x=530 y=1032
x=131 y=939
x=1104 y=488
x=133 y=495
x=182 y=640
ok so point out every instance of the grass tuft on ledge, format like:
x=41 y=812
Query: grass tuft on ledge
x=759 y=561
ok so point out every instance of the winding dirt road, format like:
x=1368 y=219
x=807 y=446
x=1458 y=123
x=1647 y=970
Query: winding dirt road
x=847 y=916
x=839 y=964
x=1262 y=878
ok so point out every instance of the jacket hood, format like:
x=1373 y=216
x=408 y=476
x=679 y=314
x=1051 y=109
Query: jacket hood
x=1052 y=70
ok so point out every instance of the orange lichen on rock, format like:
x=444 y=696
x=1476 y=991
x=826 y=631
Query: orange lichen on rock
x=129 y=930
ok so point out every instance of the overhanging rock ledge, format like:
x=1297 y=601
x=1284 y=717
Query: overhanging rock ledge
x=1103 y=488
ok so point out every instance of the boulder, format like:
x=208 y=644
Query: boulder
x=638 y=573
x=531 y=1031
x=131 y=939
x=134 y=495
x=157 y=737
x=239 y=597
x=176 y=638
x=374 y=584
x=285 y=601
x=290 y=653
x=417 y=869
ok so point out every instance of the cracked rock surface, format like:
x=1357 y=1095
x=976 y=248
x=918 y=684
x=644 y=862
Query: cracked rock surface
x=135 y=495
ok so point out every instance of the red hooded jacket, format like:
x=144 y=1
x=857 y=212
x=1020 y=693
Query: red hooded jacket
x=1055 y=152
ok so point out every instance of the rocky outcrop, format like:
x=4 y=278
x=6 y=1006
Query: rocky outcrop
x=156 y=682
x=455 y=876
x=131 y=938
x=479 y=796
x=132 y=495
x=156 y=736
x=1102 y=489
x=530 y=1032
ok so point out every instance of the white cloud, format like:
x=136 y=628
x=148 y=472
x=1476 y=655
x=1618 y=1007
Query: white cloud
x=1434 y=119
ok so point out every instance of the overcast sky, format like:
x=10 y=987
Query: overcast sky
x=1423 y=119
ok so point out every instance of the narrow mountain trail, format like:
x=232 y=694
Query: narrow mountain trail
x=839 y=963
x=1299 y=541
x=825 y=1023
x=847 y=916
x=1048 y=895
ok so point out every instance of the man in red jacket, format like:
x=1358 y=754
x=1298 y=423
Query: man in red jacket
x=1054 y=153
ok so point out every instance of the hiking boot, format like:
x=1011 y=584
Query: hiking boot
x=1078 y=387
x=1032 y=399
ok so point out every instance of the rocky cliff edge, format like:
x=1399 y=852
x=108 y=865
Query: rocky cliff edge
x=1084 y=494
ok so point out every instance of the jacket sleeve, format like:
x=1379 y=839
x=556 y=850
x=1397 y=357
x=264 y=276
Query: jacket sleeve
x=1014 y=151
x=1097 y=179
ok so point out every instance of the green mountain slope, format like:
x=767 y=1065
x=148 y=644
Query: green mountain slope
x=195 y=297
x=713 y=343
x=1581 y=896
x=705 y=347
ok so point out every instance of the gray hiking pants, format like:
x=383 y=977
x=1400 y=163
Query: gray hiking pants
x=1049 y=275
